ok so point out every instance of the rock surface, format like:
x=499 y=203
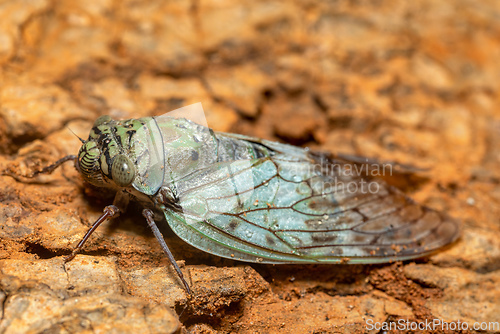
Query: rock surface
x=409 y=81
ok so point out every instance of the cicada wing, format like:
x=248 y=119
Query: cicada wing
x=212 y=201
x=291 y=211
x=193 y=112
x=276 y=147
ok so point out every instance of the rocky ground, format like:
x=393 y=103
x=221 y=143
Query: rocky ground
x=415 y=82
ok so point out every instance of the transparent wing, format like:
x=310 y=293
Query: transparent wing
x=294 y=207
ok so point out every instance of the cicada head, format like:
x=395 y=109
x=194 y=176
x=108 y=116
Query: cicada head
x=88 y=163
x=104 y=160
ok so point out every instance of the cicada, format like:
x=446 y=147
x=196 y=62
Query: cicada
x=251 y=199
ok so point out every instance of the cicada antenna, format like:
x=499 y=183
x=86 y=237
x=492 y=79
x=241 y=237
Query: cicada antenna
x=73 y=132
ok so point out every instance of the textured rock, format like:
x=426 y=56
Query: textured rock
x=477 y=291
x=86 y=294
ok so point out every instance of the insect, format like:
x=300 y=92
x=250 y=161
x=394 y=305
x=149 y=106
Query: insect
x=252 y=199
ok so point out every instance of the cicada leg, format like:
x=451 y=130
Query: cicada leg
x=148 y=214
x=46 y=170
x=51 y=168
x=109 y=212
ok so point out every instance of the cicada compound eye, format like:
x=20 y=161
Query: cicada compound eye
x=122 y=171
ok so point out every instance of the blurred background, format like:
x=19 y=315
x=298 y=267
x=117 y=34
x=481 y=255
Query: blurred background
x=415 y=82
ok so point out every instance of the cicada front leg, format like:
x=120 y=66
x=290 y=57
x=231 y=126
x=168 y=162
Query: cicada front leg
x=54 y=166
x=46 y=170
x=109 y=212
x=118 y=207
